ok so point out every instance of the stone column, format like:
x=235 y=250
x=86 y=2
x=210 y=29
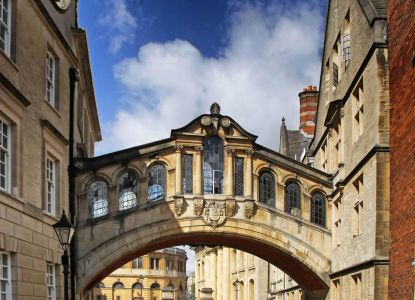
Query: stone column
x=213 y=267
x=178 y=150
x=199 y=170
x=219 y=275
x=248 y=181
x=229 y=186
x=226 y=274
x=306 y=207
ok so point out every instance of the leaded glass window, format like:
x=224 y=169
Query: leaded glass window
x=213 y=166
x=127 y=190
x=157 y=183
x=239 y=176
x=267 y=188
x=318 y=209
x=292 y=198
x=335 y=74
x=187 y=174
x=98 y=199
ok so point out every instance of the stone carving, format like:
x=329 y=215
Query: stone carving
x=296 y=212
x=249 y=208
x=198 y=149
x=225 y=122
x=215 y=108
x=250 y=152
x=198 y=204
x=179 y=205
x=214 y=213
x=215 y=119
x=230 y=207
x=206 y=120
x=178 y=147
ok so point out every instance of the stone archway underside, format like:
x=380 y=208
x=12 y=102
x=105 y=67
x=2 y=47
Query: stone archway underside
x=304 y=263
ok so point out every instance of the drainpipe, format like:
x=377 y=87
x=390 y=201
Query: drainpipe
x=73 y=78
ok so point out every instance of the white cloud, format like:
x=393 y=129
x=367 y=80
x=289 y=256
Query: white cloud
x=119 y=22
x=271 y=54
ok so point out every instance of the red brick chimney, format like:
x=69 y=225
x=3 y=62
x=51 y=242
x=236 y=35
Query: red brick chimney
x=308 y=109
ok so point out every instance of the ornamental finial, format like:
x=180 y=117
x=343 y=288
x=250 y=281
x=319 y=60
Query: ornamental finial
x=215 y=109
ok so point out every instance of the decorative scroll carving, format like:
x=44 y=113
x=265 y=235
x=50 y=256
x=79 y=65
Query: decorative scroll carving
x=250 y=152
x=225 y=122
x=206 y=120
x=250 y=208
x=230 y=151
x=215 y=119
x=230 y=207
x=214 y=213
x=179 y=205
x=198 y=204
x=178 y=148
x=198 y=149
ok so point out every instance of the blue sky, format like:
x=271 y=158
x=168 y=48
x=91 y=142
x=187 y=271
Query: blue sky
x=157 y=64
x=153 y=58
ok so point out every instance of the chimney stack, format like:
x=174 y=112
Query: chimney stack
x=308 y=109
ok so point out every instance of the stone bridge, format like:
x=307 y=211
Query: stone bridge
x=210 y=183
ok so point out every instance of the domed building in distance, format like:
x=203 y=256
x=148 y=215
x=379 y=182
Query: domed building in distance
x=159 y=275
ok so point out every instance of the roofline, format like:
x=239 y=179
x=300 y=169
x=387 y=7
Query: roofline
x=179 y=130
x=81 y=33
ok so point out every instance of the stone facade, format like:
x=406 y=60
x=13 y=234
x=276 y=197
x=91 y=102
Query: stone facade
x=352 y=143
x=34 y=119
x=401 y=40
x=159 y=275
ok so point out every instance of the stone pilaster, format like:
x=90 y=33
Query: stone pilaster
x=226 y=274
x=199 y=170
x=248 y=185
x=229 y=186
x=178 y=150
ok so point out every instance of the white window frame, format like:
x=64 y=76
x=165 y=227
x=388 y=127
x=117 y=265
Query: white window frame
x=5 y=281
x=50 y=186
x=50 y=78
x=51 y=281
x=7 y=25
x=5 y=149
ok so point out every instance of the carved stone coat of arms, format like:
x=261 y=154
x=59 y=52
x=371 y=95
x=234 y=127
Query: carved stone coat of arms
x=214 y=213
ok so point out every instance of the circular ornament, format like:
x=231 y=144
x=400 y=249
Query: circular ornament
x=206 y=120
x=225 y=122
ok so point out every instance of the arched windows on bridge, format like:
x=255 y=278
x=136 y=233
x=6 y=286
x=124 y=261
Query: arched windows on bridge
x=215 y=171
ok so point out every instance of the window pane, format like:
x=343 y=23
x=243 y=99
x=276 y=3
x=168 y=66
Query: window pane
x=239 y=176
x=97 y=199
x=157 y=183
x=187 y=174
x=292 y=198
x=267 y=188
x=127 y=190
x=318 y=209
x=213 y=157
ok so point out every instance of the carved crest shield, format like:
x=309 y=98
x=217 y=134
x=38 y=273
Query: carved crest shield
x=214 y=213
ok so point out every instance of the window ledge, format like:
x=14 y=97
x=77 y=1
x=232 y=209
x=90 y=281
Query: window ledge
x=46 y=213
x=8 y=58
x=54 y=109
x=7 y=193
